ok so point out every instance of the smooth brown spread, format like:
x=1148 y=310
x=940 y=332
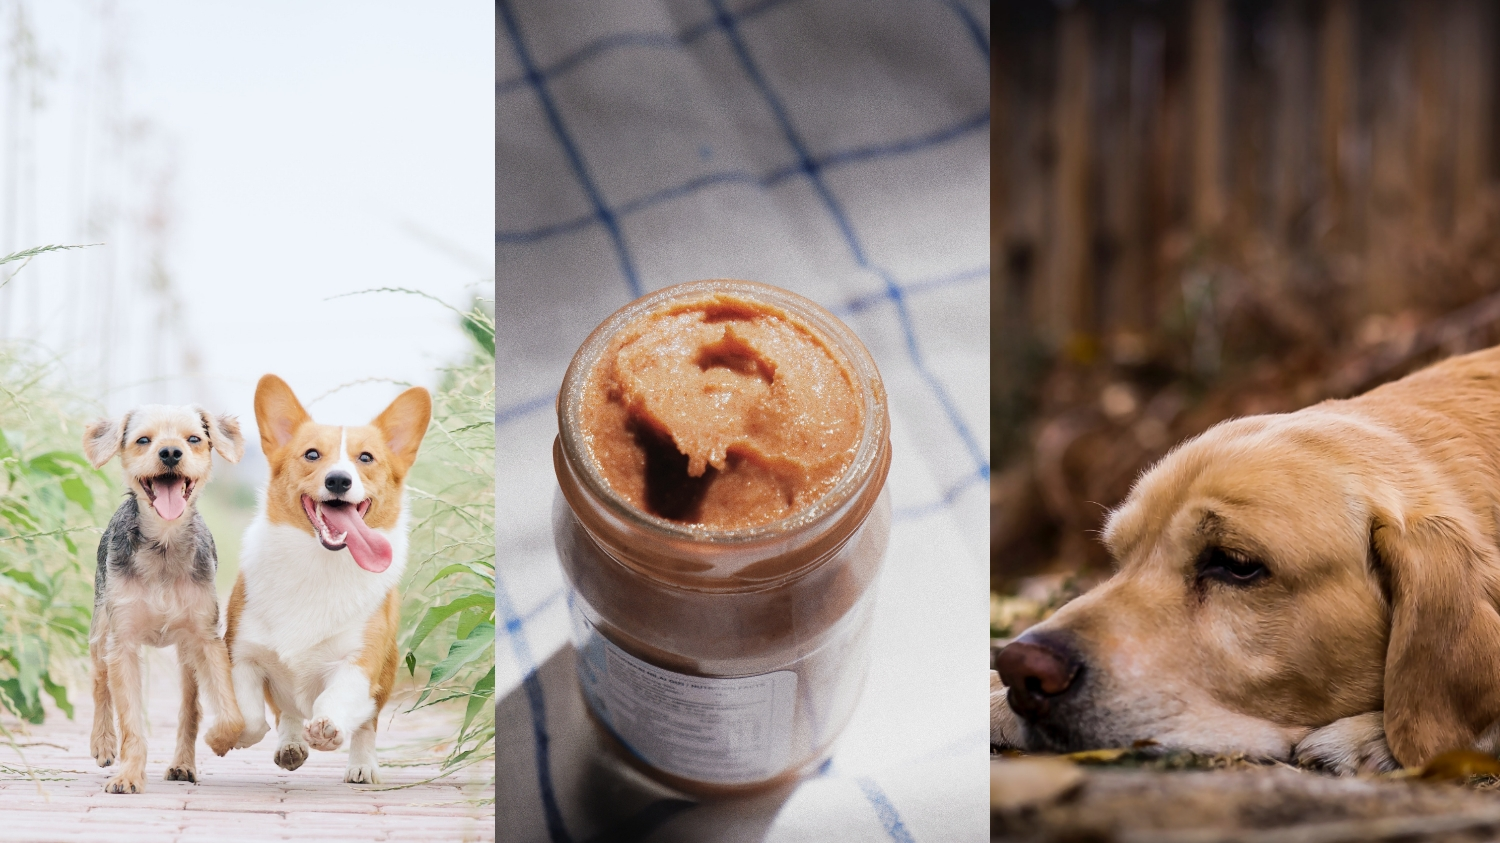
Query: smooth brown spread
x=721 y=411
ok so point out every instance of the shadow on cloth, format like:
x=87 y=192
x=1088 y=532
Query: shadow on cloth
x=550 y=756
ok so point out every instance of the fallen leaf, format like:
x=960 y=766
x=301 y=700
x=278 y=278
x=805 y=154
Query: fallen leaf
x=1460 y=765
x=1020 y=783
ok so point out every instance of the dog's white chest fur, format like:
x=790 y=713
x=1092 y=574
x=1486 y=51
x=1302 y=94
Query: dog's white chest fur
x=308 y=605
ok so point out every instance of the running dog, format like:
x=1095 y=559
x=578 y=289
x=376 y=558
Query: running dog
x=155 y=585
x=314 y=614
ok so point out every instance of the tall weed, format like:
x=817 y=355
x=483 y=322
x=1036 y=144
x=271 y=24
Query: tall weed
x=53 y=506
x=448 y=621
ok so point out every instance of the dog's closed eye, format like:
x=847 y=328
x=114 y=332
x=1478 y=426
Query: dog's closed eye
x=1229 y=566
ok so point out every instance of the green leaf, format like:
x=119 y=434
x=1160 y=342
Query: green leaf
x=484 y=691
x=438 y=614
x=455 y=568
x=26 y=583
x=55 y=463
x=78 y=492
x=472 y=617
x=16 y=512
x=411 y=664
x=460 y=653
x=59 y=695
x=483 y=334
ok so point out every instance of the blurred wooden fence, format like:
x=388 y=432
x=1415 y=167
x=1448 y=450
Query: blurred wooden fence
x=1205 y=208
x=1133 y=136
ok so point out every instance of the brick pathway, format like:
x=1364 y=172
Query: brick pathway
x=243 y=796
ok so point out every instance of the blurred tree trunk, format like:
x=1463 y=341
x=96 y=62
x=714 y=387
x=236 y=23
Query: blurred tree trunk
x=1071 y=230
x=1207 y=73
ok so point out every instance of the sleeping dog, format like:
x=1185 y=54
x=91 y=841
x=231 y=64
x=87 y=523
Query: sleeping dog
x=155 y=585
x=1321 y=586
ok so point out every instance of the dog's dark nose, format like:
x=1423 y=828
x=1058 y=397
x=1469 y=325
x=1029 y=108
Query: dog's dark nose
x=170 y=456
x=1037 y=672
x=338 y=482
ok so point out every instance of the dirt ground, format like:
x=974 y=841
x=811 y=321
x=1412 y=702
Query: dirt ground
x=1245 y=802
x=53 y=790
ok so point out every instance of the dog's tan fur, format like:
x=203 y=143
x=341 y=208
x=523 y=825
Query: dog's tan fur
x=159 y=594
x=1378 y=520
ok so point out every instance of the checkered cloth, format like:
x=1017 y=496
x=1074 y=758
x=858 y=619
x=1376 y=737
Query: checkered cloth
x=838 y=148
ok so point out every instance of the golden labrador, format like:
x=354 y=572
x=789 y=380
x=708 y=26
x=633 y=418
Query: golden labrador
x=1320 y=586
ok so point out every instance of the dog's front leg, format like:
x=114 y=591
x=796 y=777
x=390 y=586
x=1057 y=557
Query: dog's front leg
x=102 y=742
x=344 y=706
x=184 y=768
x=250 y=694
x=362 y=766
x=1348 y=746
x=212 y=665
x=124 y=662
x=291 y=749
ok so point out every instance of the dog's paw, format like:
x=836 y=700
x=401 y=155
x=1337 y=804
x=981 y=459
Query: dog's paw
x=251 y=735
x=323 y=735
x=182 y=773
x=126 y=783
x=1348 y=746
x=290 y=756
x=224 y=736
x=102 y=747
x=363 y=773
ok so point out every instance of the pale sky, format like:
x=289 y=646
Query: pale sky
x=314 y=149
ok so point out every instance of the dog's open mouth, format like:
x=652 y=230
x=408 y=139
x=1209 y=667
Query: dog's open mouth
x=340 y=525
x=168 y=494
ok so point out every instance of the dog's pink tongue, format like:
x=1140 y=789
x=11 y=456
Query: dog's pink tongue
x=369 y=548
x=169 y=502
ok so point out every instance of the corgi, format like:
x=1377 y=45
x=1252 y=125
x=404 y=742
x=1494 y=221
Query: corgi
x=313 y=616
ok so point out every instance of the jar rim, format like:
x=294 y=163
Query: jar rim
x=872 y=439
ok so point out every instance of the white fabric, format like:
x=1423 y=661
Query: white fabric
x=838 y=148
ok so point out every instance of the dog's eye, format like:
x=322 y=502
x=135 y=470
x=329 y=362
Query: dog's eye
x=194 y=440
x=1227 y=566
x=144 y=440
x=312 y=454
x=365 y=457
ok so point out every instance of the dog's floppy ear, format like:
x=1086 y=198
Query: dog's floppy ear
x=278 y=413
x=224 y=433
x=404 y=423
x=1442 y=664
x=103 y=438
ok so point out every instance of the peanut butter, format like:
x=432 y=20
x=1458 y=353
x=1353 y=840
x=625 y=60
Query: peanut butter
x=721 y=411
x=721 y=454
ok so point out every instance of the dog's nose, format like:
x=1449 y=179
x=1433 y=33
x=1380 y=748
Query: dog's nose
x=1037 y=672
x=337 y=482
x=170 y=456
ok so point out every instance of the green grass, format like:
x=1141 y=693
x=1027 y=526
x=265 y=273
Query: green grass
x=53 y=506
x=448 y=616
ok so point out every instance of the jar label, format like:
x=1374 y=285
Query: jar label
x=709 y=729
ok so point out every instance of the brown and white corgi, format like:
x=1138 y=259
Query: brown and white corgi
x=314 y=614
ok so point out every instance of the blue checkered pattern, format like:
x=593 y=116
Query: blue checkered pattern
x=838 y=148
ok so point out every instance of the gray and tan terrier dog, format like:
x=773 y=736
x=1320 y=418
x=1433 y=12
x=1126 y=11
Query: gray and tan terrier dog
x=155 y=585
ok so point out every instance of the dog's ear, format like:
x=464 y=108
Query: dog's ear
x=224 y=432
x=1442 y=664
x=278 y=413
x=103 y=438
x=404 y=423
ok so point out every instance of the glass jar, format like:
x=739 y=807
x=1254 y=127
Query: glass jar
x=720 y=661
